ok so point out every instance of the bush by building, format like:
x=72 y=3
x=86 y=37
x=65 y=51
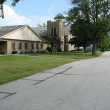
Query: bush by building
x=59 y=50
x=2 y=52
x=49 y=49
x=14 y=52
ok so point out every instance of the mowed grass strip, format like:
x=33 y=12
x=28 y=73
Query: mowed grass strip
x=14 y=67
x=70 y=55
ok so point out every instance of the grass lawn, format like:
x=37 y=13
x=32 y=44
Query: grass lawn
x=69 y=55
x=14 y=67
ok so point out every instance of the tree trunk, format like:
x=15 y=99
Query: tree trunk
x=94 y=49
x=84 y=49
x=78 y=48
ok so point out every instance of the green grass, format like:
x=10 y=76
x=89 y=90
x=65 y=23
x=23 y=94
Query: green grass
x=69 y=55
x=14 y=67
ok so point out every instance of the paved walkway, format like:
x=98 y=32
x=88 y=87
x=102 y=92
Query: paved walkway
x=80 y=85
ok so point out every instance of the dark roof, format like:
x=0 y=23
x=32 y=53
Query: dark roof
x=7 y=29
x=42 y=31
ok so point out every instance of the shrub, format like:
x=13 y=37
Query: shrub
x=54 y=50
x=26 y=52
x=37 y=51
x=49 y=49
x=59 y=50
x=21 y=52
x=2 y=52
x=73 y=50
x=14 y=52
x=31 y=52
x=43 y=51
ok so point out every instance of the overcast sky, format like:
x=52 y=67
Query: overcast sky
x=33 y=12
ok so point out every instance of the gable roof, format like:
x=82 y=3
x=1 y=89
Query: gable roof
x=7 y=29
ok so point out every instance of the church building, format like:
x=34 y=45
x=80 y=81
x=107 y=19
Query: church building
x=56 y=29
x=23 y=38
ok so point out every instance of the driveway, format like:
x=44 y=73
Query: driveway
x=80 y=85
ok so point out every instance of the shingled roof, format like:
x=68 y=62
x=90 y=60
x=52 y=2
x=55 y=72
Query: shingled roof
x=42 y=31
x=7 y=29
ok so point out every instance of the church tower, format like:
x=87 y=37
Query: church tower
x=57 y=29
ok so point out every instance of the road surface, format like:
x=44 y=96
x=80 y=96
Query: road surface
x=80 y=85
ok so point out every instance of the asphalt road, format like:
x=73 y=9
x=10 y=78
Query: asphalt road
x=80 y=85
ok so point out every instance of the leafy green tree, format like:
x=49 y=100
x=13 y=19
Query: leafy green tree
x=80 y=30
x=39 y=25
x=14 y=2
x=43 y=25
x=96 y=13
x=105 y=43
x=59 y=16
x=53 y=40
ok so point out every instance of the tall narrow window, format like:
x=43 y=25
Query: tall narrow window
x=26 y=46
x=62 y=32
x=13 y=46
x=53 y=31
x=32 y=46
x=37 y=46
x=41 y=46
x=20 y=46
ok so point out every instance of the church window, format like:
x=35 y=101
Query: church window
x=26 y=46
x=13 y=46
x=20 y=46
x=32 y=46
x=41 y=46
x=37 y=46
x=53 y=31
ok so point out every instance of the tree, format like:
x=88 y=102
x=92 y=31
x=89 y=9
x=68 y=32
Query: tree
x=39 y=25
x=105 y=43
x=59 y=16
x=82 y=37
x=96 y=13
x=43 y=25
x=52 y=40
x=14 y=2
